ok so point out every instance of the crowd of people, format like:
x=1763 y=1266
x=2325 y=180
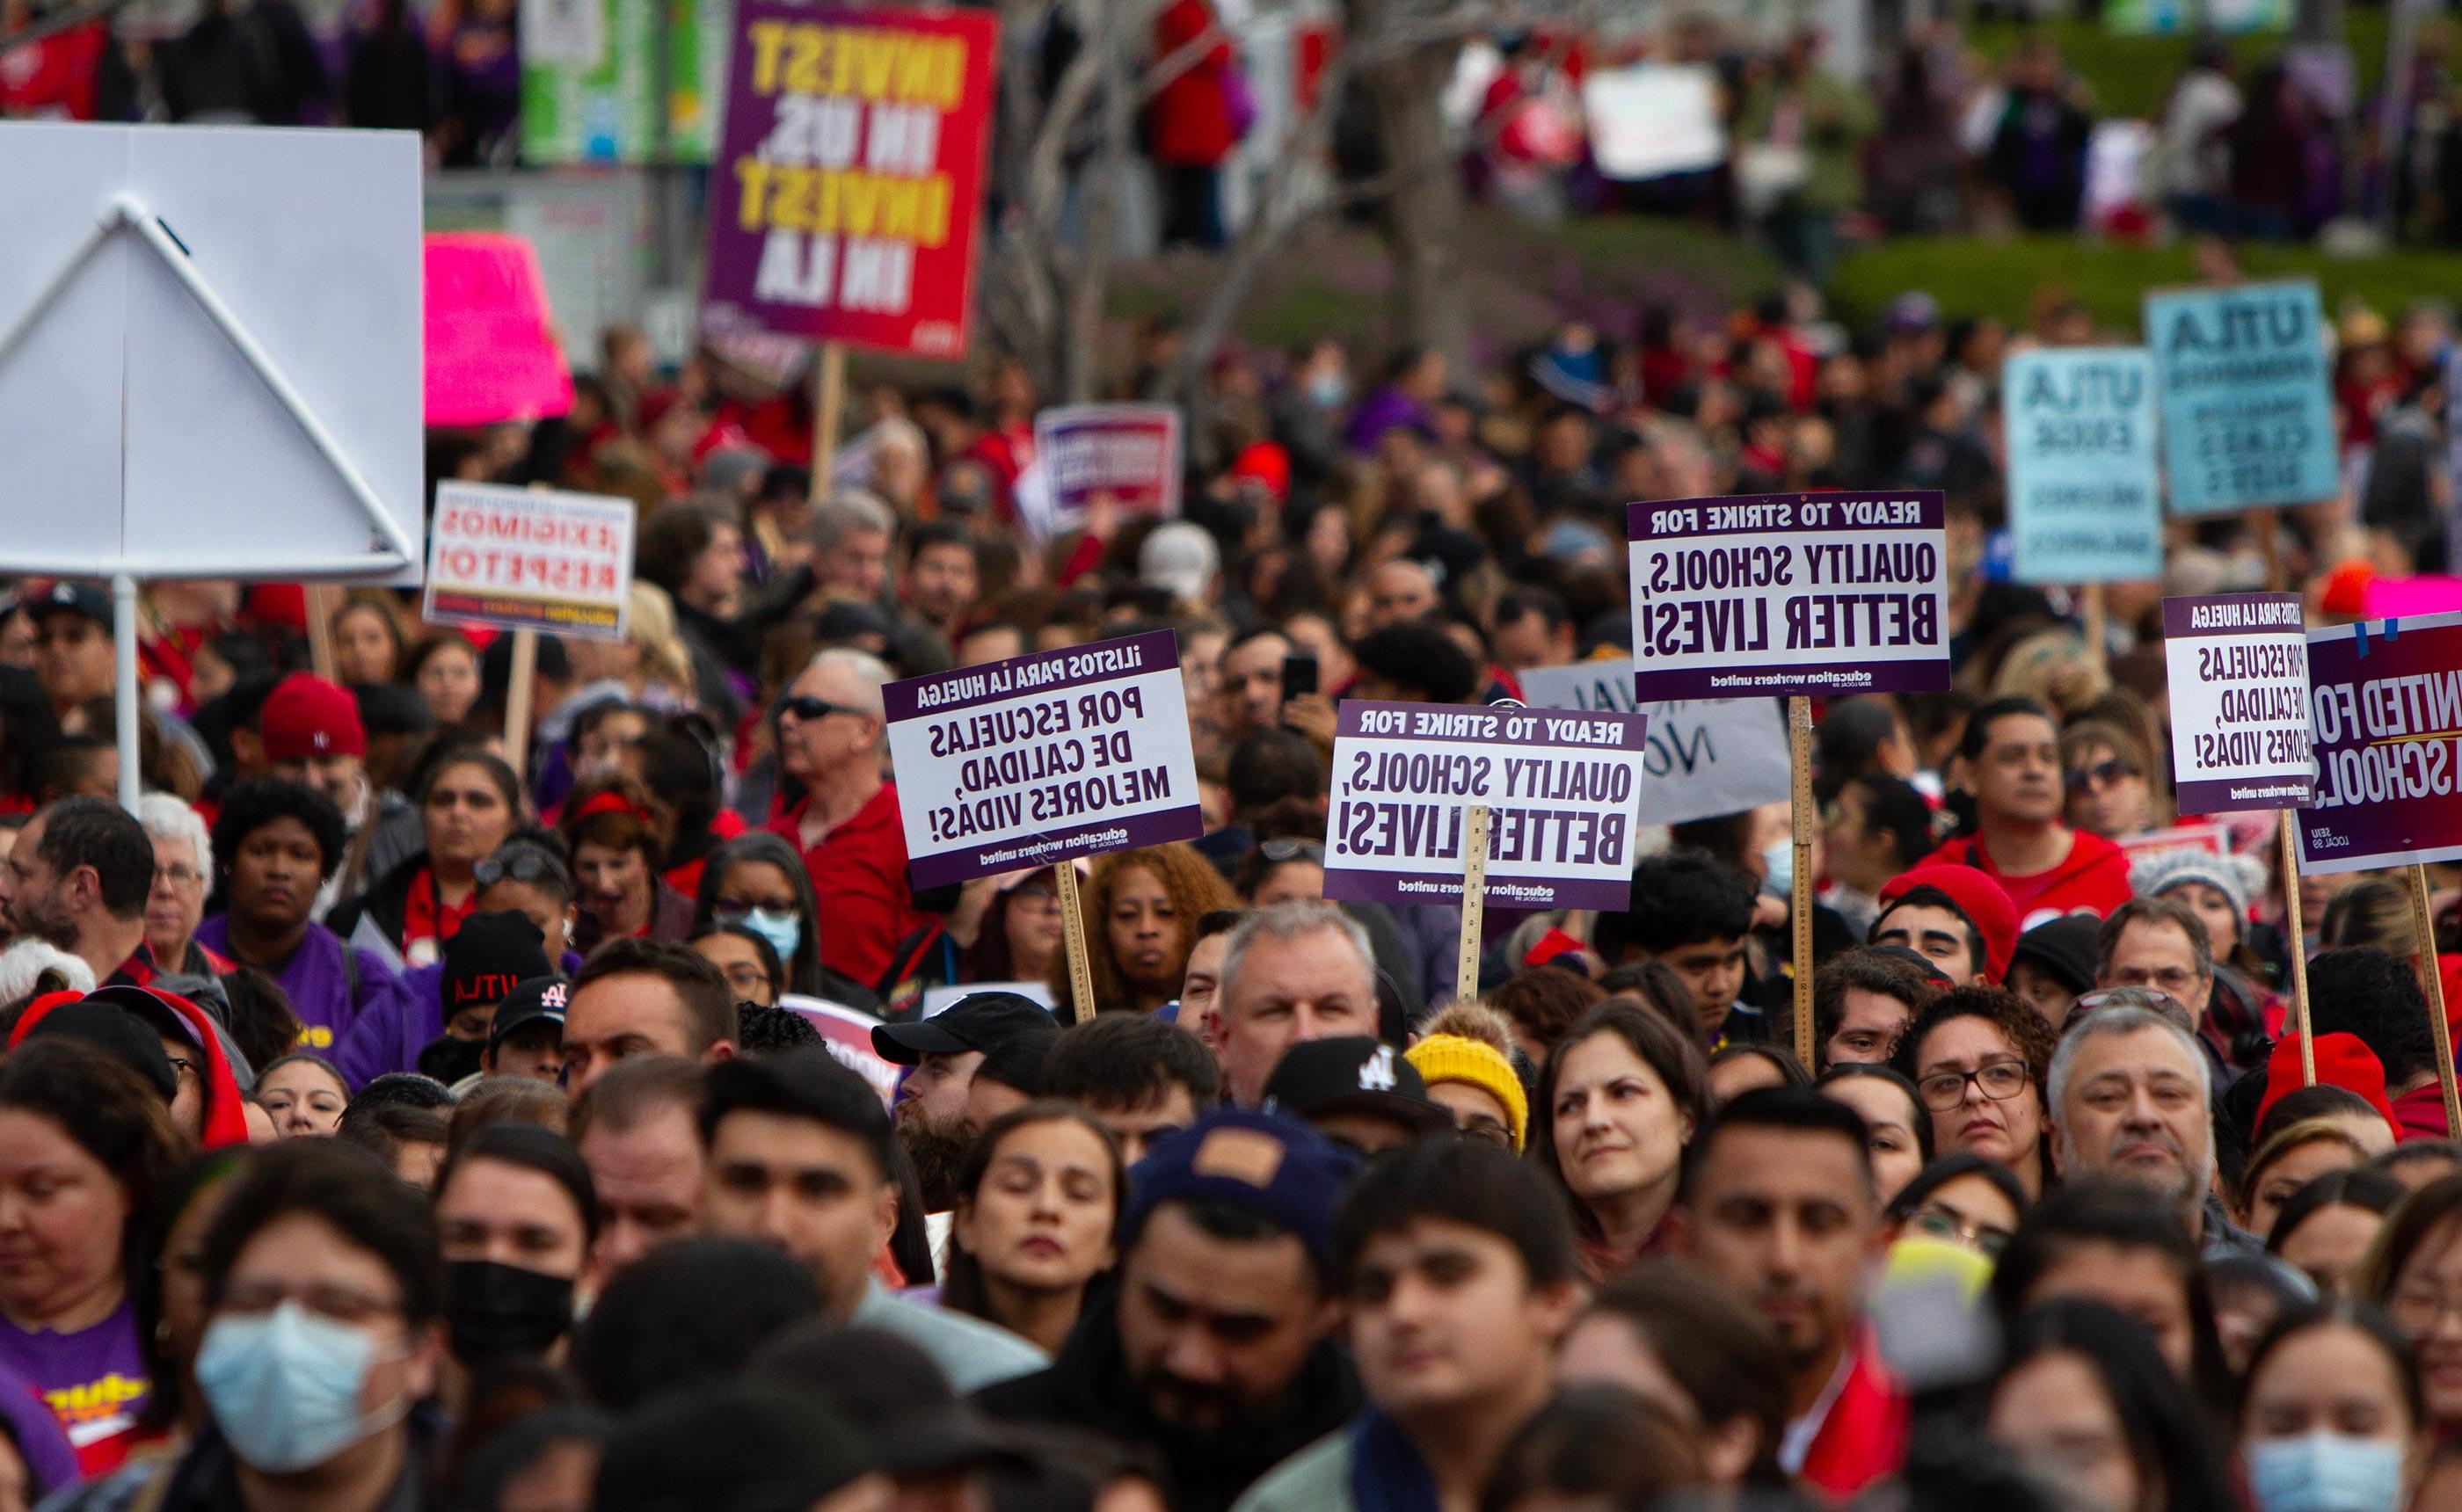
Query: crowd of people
x=387 y=1124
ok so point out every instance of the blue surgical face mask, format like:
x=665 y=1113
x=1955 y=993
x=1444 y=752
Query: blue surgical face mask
x=1778 y=861
x=2325 y=1472
x=285 y=1387
x=782 y=929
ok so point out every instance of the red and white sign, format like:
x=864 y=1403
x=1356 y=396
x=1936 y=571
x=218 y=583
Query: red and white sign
x=529 y=559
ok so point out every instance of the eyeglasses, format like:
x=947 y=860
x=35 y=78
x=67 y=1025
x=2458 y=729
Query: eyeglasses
x=522 y=866
x=2170 y=980
x=2000 y=1080
x=1939 y=1223
x=805 y=706
x=2102 y=774
x=1278 y=850
x=179 y=873
x=2417 y=1310
x=2149 y=999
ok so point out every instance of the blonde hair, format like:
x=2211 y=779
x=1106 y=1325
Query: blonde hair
x=651 y=627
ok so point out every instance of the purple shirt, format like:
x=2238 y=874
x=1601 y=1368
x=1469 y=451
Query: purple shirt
x=94 y=1379
x=40 y=1443
x=317 y=983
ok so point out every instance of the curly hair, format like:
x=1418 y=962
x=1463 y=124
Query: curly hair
x=1188 y=880
x=251 y=804
x=2004 y=1010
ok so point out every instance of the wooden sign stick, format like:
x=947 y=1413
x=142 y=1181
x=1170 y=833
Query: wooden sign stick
x=2285 y=844
x=2423 y=918
x=518 y=689
x=1798 y=750
x=1474 y=903
x=829 y=398
x=1072 y=934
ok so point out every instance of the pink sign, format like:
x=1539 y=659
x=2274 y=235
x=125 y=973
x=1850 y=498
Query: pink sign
x=2401 y=597
x=491 y=349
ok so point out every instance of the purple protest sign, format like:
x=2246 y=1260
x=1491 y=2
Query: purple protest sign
x=1019 y=763
x=1561 y=786
x=1788 y=595
x=1129 y=451
x=2237 y=665
x=2386 y=707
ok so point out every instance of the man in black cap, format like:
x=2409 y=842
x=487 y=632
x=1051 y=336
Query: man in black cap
x=526 y=1038
x=946 y=1049
x=73 y=643
x=2054 y=966
x=744 y=1446
x=1216 y=1348
x=1356 y=1091
x=486 y=958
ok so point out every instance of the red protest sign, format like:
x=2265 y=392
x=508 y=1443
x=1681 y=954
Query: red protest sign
x=844 y=202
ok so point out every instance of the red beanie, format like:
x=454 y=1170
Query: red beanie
x=1977 y=896
x=307 y=716
x=2343 y=1060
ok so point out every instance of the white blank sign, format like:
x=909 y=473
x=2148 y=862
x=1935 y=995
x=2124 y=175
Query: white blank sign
x=137 y=434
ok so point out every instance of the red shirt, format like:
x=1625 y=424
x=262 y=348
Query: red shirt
x=1863 y=1438
x=859 y=882
x=2094 y=876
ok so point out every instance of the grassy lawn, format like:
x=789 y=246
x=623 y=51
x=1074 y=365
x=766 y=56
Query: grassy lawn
x=2130 y=74
x=1970 y=275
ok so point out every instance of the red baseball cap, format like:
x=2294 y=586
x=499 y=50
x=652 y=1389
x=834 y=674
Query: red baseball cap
x=305 y=715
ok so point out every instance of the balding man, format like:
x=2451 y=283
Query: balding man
x=834 y=739
x=1401 y=589
x=1292 y=972
x=2131 y=1098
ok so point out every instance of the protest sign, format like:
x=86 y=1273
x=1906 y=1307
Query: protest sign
x=1561 y=788
x=2387 y=710
x=1041 y=757
x=593 y=87
x=2241 y=381
x=529 y=559
x=846 y=1033
x=1129 y=451
x=1795 y=595
x=2085 y=502
x=1648 y=120
x=1701 y=757
x=844 y=202
x=491 y=349
x=2238 y=666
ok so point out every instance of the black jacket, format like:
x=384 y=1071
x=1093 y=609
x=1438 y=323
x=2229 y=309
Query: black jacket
x=1087 y=1386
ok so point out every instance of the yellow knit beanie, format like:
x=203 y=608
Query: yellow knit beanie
x=1453 y=1058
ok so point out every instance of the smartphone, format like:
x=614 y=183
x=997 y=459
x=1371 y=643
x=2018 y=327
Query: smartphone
x=1299 y=675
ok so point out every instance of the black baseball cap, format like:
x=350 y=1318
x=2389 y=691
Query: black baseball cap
x=979 y=1021
x=77 y=598
x=533 y=999
x=1352 y=1075
x=118 y=1031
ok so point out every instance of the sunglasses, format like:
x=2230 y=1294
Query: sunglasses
x=522 y=866
x=1280 y=850
x=805 y=706
x=2102 y=774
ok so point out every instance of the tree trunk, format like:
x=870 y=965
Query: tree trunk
x=1421 y=215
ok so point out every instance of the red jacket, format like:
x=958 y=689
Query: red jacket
x=226 y=1118
x=1190 y=120
x=2094 y=877
x=1863 y=1438
x=859 y=882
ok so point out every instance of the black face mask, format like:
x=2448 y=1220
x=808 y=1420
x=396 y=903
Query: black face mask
x=448 y=1060
x=493 y=1311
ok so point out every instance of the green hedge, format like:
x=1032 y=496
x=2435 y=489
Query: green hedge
x=1972 y=275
